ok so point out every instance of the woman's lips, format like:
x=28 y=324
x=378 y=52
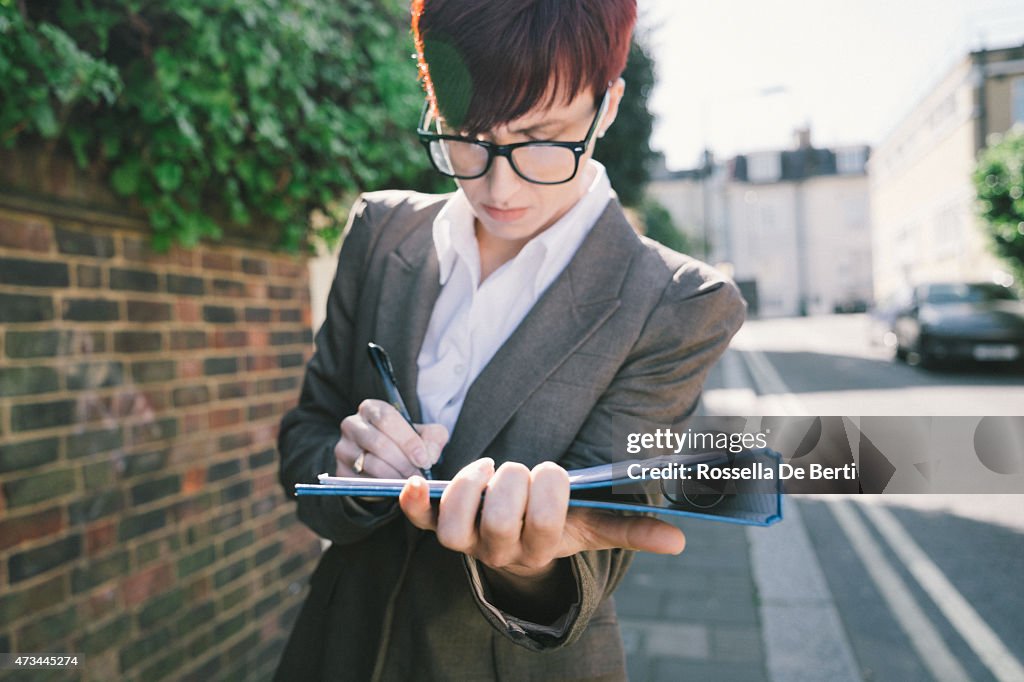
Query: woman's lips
x=505 y=215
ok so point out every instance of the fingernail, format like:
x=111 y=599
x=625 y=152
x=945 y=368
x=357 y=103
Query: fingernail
x=434 y=450
x=419 y=455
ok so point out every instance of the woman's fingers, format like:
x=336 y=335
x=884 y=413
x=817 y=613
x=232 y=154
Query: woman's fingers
x=415 y=503
x=460 y=502
x=392 y=434
x=501 y=519
x=435 y=437
x=380 y=431
x=546 y=514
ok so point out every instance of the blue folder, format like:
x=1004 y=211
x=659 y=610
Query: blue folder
x=709 y=485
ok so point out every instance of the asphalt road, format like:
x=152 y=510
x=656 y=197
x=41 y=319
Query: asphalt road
x=924 y=586
x=829 y=365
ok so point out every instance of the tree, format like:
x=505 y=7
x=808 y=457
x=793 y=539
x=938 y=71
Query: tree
x=999 y=183
x=660 y=227
x=625 y=149
x=212 y=112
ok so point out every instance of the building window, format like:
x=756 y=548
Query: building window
x=850 y=161
x=1018 y=100
x=764 y=167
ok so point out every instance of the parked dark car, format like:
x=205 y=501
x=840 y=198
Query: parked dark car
x=948 y=321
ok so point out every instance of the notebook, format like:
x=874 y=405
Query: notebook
x=743 y=487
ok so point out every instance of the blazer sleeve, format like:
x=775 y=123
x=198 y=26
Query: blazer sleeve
x=310 y=431
x=659 y=384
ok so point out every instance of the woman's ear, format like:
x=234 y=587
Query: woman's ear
x=615 y=93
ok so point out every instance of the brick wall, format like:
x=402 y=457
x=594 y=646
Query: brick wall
x=141 y=522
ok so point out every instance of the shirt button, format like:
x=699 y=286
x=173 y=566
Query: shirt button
x=460 y=369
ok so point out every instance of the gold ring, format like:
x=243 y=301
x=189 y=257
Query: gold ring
x=357 y=465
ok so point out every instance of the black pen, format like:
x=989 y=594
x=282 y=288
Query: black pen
x=382 y=363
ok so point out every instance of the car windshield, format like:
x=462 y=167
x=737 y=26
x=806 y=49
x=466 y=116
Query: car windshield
x=968 y=293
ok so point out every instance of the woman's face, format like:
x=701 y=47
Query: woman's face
x=511 y=209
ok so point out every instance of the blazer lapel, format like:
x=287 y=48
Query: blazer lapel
x=409 y=288
x=580 y=299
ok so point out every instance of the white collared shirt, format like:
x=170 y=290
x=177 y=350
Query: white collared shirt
x=470 y=320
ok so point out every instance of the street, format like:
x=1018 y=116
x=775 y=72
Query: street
x=830 y=368
x=884 y=587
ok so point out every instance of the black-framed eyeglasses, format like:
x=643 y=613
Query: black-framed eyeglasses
x=543 y=162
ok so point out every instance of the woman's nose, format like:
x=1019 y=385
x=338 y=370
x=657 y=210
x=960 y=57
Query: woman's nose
x=502 y=180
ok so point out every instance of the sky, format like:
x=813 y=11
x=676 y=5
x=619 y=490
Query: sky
x=740 y=75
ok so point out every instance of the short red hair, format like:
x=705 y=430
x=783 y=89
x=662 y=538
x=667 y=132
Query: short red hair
x=485 y=62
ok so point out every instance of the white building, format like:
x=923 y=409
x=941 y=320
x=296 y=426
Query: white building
x=922 y=197
x=793 y=225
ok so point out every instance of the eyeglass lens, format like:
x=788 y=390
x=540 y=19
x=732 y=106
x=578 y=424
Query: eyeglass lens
x=539 y=163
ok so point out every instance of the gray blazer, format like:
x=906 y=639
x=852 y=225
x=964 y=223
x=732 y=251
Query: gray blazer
x=628 y=331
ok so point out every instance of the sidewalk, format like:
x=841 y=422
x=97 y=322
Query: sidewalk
x=740 y=604
x=695 y=616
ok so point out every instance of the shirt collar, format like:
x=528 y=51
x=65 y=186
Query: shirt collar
x=455 y=240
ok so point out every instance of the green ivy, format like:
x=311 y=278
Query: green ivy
x=213 y=112
x=999 y=183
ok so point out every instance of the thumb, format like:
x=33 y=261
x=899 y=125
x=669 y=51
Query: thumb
x=642 y=534
x=414 y=501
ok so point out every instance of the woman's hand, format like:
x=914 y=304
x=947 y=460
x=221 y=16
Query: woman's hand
x=388 y=445
x=523 y=525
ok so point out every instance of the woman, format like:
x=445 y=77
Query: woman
x=526 y=321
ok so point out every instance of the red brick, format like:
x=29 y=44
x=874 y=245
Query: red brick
x=101 y=602
x=194 y=480
x=24 y=528
x=138 y=250
x=258 y=363
x=230 y=339
x=225 y=417
x=218 y=261
x=145 y=584
x=256 y=290
x=264 y=483
x=188 y=340
x=25 y=234
x=265 y=433
x=198 y=588
x=261 y=411
x=191 y=423
x=266 y=529
x=181 y=256
x=190 y=368
x=259 y=338
x=287 y=268
x=156 y=399
x=100 y=536
x=187 y=311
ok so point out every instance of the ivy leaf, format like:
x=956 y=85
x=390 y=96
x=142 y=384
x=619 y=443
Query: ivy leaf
x=168 y=175
x=125 y=178
x=44 y=120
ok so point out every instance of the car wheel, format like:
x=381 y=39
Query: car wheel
x=901 y=352
x=921 y=356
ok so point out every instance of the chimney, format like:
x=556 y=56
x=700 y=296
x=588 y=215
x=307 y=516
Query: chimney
x=802 y=137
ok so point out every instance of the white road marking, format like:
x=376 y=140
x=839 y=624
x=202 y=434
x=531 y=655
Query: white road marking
x=926 y=640
x=789 y=618
x=775 y=397
x=974 y=630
